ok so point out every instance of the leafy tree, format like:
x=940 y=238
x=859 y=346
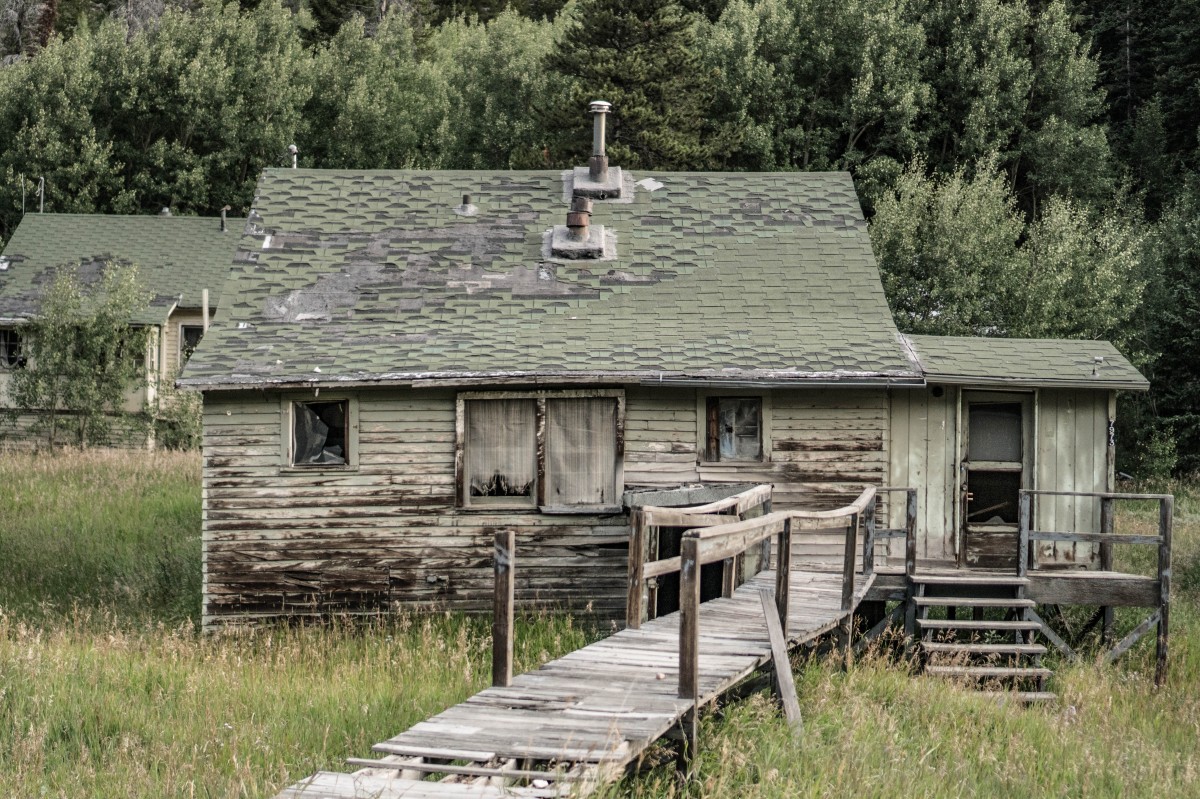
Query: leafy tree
x=640 y=56
x=83 y=356
x=958 y=258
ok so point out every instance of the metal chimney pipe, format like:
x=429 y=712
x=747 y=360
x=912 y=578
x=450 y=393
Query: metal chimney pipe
x=223 y=210
x=295 y=151
x=598 y=163
x=579 y=219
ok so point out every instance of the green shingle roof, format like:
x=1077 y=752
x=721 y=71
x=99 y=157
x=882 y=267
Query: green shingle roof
x=177 y=257
x=1028 y=362
x=381 y=277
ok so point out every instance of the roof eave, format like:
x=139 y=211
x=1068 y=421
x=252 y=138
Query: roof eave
x=1017 y=382
x=748 y=379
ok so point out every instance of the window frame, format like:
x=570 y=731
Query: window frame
x=536 y=503
x=287 y=413
x=179 y=340
x=704 y=399
x=10 y=333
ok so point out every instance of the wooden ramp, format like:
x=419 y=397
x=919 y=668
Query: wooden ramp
x=579 y=721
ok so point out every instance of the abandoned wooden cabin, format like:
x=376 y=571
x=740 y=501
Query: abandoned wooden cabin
x=410 y=361
x=180 y=262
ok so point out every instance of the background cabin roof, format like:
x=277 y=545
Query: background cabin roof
x=177 y=257
x=1026 y=362
x=381 y=276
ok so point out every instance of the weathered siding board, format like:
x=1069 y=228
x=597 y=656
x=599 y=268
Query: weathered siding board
x=923 y=456
x=1072 y=436
x=298 y=541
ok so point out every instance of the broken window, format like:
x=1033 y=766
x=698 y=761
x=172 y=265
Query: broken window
x=556 y=452
x=10 y=349
x=734 y=429
x=189 y=337
x=319 y=433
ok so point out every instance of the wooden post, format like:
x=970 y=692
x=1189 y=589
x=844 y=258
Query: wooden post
x=868 y=557
x=502 y=611
x=847 y=626
x=689 y=619
x=1166 y=514
x=1107 y=526
x=637 y=562
x=728 y=576
x=783 y=572
x=1023 y=541
x=785 y=685
x=910 y=534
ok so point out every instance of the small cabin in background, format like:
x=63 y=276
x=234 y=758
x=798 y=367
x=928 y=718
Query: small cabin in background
x=180 y=260
x=408 y=362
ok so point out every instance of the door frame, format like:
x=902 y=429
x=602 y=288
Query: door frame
x=966 y=397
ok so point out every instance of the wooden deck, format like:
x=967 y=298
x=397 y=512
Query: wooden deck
x=580 y=721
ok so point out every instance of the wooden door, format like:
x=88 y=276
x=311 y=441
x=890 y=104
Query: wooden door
x=994 y=467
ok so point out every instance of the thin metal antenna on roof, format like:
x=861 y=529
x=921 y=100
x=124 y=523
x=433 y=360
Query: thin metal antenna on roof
x=21 y=178
x=41 y=195
x=295 y=151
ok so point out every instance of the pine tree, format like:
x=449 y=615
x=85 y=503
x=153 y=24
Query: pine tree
x=638 y=55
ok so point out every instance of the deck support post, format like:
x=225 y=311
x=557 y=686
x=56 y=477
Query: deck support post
x=1166 y=515
x=1107 y=526
x=847 y=626
x=783 y=570
x=1026 y=519
x=637 y=562
x=689 y=640
x=502 y=611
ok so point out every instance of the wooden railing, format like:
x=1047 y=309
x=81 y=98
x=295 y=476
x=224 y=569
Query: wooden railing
x=908 y=532
x=644 y=523
x=709 y=544
x=1107 y=538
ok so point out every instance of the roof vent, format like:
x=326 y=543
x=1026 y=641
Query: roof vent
x=1097 y=362
x=165 y=211
x=578 y=239
x=4 y=262
x=466 y=209
x=597 y=180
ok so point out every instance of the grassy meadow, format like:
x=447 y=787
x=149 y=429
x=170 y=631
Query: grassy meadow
x=108 y=690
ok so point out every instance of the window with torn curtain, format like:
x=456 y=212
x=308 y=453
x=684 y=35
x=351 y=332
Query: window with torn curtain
x=557 y=451
x=321 y=433
x=735 y=429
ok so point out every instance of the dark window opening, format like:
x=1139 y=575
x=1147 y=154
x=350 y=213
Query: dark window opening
x=734 y=429
x=189 y=337
x=993 y=497
x=994 y=432
x=10 y=349
x=319 y=433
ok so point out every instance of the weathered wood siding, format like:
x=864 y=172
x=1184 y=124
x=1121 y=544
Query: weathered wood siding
x=1071 y=455
x=279 y=540
x=923 y=448
x=1070 y=443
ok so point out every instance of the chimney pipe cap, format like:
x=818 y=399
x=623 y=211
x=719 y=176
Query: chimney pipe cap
x=599 y=107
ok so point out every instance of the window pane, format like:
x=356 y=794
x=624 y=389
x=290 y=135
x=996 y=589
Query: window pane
x=500 y=452
x=740 y=429
x=10 y=348
x=581 y=441
x=994 y=497
x=189 y=337
x=994 y=432
x=319 y=435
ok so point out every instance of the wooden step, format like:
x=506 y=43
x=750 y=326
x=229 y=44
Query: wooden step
x=983 y=649
x=1027 y=697
x=969 y=578
x=980 y=626
x=963 y=602
x=989 y=672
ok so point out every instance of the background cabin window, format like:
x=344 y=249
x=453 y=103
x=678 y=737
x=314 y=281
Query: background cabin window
x=189 y=337
x=554 y=452
x=319 y=433
x=10 y=349
x=581 y=440
x=501 y=451
x=734 y=429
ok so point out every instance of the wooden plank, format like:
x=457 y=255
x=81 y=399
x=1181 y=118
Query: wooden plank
x=1106 y=538
x=502 y=613
x=1166 y=516
x=689 y=619
x=785 y=685
x=557 y=775
x=636 y=564
x=1134 y=636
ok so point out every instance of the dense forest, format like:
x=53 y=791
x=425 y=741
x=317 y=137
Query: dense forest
x=1028 y=166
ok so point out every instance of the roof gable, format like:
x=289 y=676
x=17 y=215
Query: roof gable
x=388 y=277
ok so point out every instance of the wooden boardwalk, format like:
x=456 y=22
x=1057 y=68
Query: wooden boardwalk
x=580 y=721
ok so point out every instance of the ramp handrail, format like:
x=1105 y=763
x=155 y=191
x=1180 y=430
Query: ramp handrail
x=712 y=543
x=643 y=573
